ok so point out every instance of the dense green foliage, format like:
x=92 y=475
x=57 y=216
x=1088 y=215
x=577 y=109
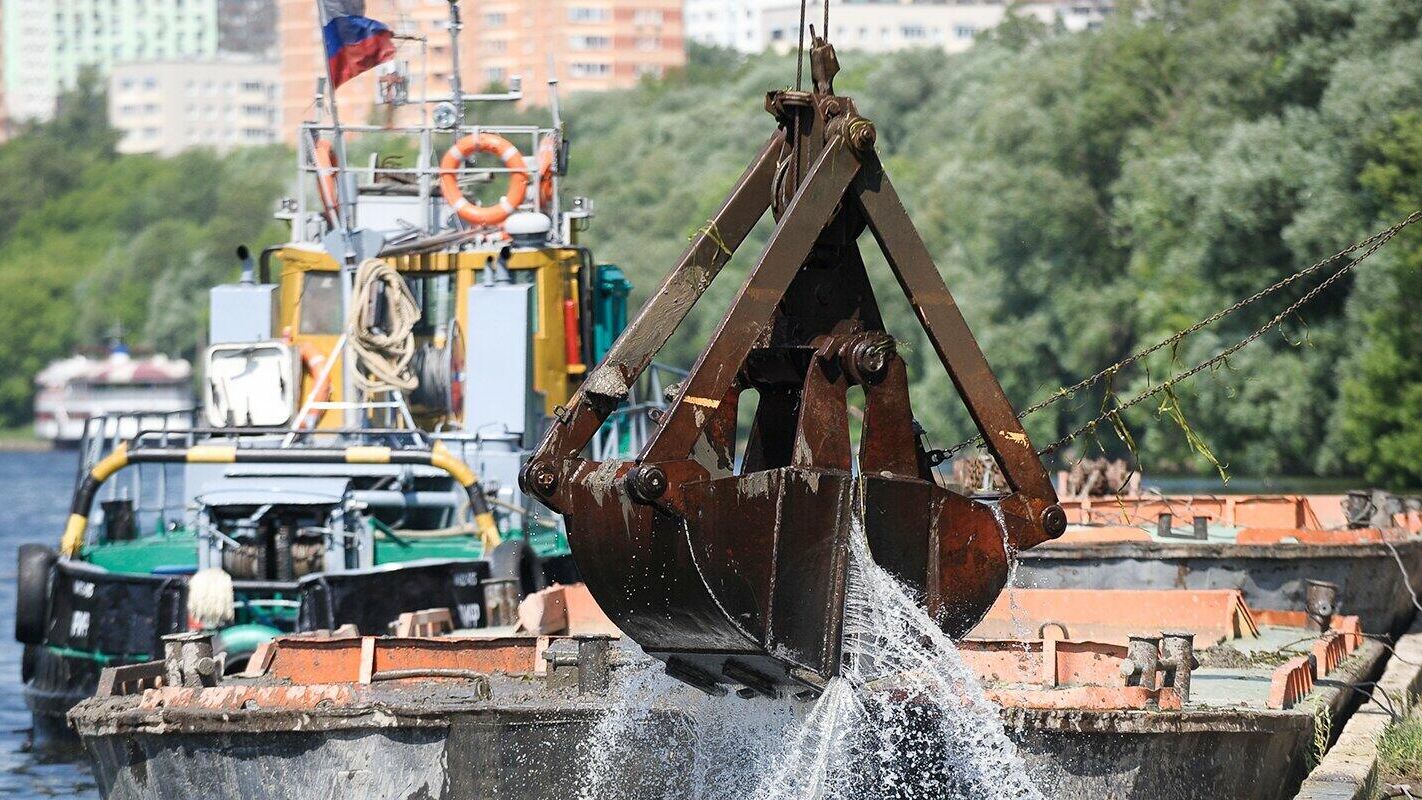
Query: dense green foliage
x=1085 y=195
x=91 y=242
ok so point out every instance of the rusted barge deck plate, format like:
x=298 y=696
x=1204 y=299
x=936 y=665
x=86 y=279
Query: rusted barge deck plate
x=522 y=737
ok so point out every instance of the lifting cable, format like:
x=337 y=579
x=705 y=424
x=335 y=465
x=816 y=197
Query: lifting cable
x=1369 y=246
x=800 y=48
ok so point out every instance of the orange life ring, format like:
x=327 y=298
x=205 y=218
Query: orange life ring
x=547 y=161
x=325 y=158
x=314 y=361
x=449 y=179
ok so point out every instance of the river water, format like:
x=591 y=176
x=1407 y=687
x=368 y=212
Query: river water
x=34 y=495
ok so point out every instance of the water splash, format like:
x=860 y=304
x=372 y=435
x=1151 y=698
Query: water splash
x=1020 y=630
x=663 y=739
x=906 y=720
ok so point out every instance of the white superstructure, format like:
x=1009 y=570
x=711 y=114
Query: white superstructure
x=73 y=390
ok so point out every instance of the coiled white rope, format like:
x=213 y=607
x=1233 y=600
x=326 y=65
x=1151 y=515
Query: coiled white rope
x=382 y=358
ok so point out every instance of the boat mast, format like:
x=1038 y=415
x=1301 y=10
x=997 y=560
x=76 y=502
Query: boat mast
x=345 y=216
x=456 y=84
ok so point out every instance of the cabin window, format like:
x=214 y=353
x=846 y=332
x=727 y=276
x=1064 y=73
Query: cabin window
x=321 y=303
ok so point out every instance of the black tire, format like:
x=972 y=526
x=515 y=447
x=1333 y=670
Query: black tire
x=513 y=558
x=35 y=563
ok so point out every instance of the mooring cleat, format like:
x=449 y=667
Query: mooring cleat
x=730 y=560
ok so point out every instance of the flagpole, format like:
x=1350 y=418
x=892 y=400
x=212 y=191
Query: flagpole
x=350 y=418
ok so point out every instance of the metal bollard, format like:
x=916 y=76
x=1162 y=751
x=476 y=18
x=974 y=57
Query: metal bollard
x=594 y=663
x=1202 y=528
x=1142 y=661
x=188 y=660
x=501 y=601
x=1177 y=657
x=1320 y=604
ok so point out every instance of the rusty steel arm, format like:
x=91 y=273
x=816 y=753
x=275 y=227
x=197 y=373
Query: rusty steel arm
x=716 y=370
x=938 y=312
x=608 y=385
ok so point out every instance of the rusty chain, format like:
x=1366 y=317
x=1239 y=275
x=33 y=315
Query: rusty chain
x=1372 y=243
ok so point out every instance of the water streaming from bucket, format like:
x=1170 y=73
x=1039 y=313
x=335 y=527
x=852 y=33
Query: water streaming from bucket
x=906 y=720
x=1020 y=631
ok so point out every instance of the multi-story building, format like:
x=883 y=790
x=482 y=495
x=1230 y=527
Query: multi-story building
x=47 y=44
x=165 y=107
x=589 y=45
x=727 y=23
x=876 y=25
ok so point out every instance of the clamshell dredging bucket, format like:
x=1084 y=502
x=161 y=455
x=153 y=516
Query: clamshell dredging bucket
x=748 y=586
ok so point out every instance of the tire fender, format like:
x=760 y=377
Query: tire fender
x=32 y=578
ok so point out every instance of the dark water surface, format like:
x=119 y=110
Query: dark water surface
x=34 y=500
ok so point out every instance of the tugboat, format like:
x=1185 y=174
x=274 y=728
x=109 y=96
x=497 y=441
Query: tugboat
x=368 y=397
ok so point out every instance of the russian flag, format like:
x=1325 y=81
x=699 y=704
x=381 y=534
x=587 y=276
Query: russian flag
x=354 y=42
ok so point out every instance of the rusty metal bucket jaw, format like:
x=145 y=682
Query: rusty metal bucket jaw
x=731 y=563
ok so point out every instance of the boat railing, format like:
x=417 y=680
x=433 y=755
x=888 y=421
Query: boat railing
x=421 y=178
x=283 y=438
x=629 y=427
x=160 y=497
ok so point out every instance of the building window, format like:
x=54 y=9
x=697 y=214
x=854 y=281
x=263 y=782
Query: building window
x=647 y=16
x=586 y=14
x=913 y=32
x=965 y=31
x=497 y=20
x=590 y=42
x=648 y=43
x=587 y=70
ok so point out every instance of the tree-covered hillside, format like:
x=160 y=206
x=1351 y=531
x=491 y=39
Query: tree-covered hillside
x=91 y=242
x=1085 y=195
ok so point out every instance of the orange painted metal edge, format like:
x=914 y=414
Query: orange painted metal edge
x=1114 y=614
x=358 y=660
x=1291 y=682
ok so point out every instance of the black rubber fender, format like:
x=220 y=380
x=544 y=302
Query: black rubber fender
x=32 y=576
x=514 y=558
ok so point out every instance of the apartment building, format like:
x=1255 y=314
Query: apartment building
x=726 y=23
x=166 y=107
x=876 y=26
x=47 y=44
x=589 y=45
